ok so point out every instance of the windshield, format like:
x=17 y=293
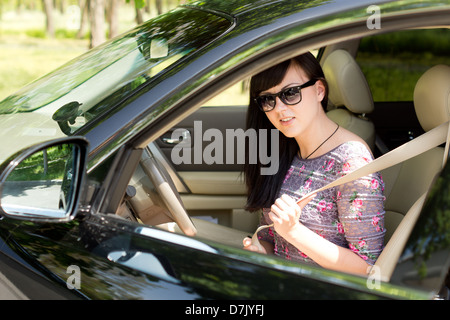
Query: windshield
x=66 y=99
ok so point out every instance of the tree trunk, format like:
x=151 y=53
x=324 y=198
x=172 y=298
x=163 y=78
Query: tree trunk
x=84 y=19
x=49 y=21
x=159 y=9
x=97 y=16
x=62 y=6
x=113 y=18
x=139 y=18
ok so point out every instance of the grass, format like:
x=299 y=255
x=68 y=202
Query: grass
x=24 y=59
x=394 y=78
x=26 y=54
x=393 y=62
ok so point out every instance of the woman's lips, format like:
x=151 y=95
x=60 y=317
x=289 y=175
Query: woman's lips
x=287 y=121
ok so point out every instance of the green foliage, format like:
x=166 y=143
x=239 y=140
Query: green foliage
x=435 y=41
x=138 y=3
x=36 y=33
x=67 y=34
x=393 y=62
x=40 y=166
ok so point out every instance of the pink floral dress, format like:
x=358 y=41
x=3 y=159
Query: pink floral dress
x=350 y=215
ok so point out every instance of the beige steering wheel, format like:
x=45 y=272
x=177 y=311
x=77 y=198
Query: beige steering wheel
x=166 y=189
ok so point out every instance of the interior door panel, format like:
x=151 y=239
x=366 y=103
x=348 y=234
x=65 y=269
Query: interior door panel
x=214 y=187
x=199 y=127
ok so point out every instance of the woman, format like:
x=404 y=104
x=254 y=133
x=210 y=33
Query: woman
x=340 y=228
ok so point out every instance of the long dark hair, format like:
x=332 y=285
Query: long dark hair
x=262 y=190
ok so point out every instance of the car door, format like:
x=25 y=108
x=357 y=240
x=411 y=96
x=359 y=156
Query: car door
x=104 y=256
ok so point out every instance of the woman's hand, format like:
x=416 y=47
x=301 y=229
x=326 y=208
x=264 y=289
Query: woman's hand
x=248 y=245
x=285 y=215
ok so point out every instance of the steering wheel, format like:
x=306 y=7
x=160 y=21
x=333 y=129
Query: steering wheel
x=166 y=189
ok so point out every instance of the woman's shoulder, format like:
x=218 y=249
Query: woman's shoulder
x=346 y=147
x=351 y=145
x=354 y=149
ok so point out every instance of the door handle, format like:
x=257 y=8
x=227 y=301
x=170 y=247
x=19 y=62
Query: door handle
x=181 y=135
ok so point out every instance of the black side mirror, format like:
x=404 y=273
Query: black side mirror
x=44 y=182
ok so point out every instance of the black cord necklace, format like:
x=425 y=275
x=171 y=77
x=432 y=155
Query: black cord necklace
x=323 y=142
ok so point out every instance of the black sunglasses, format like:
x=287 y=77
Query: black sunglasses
x=289 y=96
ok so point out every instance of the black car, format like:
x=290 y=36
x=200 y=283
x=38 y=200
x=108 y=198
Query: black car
x=120 y=177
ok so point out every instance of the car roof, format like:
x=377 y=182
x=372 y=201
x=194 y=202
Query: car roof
x=244 y=7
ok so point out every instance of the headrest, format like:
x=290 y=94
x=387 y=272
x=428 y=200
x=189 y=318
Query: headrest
x=347 y=84
x=432 y=97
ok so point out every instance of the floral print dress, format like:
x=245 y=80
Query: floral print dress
x=349 y=215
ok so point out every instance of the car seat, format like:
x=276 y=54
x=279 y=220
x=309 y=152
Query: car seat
x=350 y=98
x=407 y=181
x=413 y=177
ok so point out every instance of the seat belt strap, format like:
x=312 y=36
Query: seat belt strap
x=424 y=142
x=447 y=145
x=386 y=262
x=388 y=258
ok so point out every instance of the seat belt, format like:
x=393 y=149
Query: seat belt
x=447 y=146
x=387 y=260
x=385 y=264
x=424 y=142
x=421 y=144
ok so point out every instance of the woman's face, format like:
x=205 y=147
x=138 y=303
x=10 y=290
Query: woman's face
x=293 y=120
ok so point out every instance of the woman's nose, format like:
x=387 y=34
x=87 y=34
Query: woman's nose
x=279 y=105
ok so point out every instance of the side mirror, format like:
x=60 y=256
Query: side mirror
x=44 y=182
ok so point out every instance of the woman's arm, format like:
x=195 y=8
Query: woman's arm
x=285 y=215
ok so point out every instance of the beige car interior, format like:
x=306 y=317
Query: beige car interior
x=407 y=181
x=351 y=100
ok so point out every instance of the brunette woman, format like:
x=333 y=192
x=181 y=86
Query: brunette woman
x=340 y=228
